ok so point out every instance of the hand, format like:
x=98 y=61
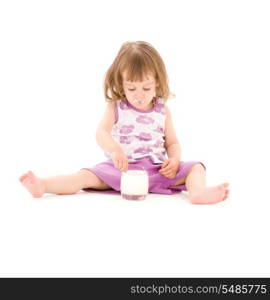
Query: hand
x=170 y=167
x=120 y=160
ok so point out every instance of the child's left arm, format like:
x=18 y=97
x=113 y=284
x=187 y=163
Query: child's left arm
x=170 y=166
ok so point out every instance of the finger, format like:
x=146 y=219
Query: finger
x=115 y=164
x=125 y=166
x=121 y=164
x=167 y=168
x=165 y=163
x=167 y=174
x=169 y=164
x=118 y=165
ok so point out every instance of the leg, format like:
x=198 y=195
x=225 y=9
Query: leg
x=196 y=179
x=61 y=185
x=199 y=193
x=183 y=179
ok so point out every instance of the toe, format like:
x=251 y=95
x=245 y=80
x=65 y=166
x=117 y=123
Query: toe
x=226 y=195
x=27 y=180
x=221 y=187
x=32 y=176
x=23 y=177
x=30 y=173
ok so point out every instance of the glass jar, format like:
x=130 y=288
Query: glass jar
x=134 y=184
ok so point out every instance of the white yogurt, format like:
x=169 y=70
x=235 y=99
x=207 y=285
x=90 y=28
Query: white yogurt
x=134 y=184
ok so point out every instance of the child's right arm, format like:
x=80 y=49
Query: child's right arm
x=107 y=143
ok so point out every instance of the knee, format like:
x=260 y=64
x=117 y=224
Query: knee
x=92 y=181
x=88 y=177
x=198 y=168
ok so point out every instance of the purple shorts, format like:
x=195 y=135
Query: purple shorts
x=158 y=183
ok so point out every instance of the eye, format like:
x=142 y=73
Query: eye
x=143 y=89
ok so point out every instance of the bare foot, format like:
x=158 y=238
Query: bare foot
x=33 y=184
x=210 y=195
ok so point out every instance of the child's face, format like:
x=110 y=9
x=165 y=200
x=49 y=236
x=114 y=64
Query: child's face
x=140 y=93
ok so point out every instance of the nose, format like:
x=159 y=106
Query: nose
x=139 y=95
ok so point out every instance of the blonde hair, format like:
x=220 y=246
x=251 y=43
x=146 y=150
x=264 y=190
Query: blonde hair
x=136 y=59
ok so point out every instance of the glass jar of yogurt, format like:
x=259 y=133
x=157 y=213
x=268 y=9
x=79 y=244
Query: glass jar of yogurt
x=134 y=184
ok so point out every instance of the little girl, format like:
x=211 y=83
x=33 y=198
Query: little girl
x=136 y=132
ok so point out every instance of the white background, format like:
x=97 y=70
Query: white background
x=53 y=57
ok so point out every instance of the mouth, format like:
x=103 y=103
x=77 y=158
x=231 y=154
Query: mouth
x=138 y=102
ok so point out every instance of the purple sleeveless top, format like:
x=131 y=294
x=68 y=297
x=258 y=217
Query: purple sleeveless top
x=140 y=133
